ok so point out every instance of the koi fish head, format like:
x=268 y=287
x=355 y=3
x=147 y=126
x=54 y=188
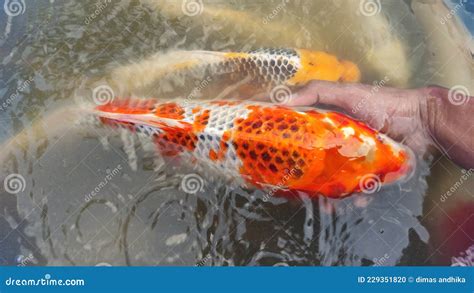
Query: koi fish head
x=358 y=158
x=320 y=153
x=316 y=65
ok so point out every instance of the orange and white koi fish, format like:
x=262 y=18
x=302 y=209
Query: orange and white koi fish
x=266 y=145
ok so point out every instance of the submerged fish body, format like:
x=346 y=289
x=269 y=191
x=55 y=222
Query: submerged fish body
x=249 y=72
x=266 y=145
x=277 y=66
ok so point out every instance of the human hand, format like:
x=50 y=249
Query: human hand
x=419 y=118
x=398 y=113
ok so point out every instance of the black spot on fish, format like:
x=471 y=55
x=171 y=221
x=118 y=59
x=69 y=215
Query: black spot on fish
x=265 y=156
x=273 y=168
x=253 y=155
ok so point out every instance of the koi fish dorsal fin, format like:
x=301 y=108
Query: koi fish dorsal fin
x=128 y=106
x=163 y=64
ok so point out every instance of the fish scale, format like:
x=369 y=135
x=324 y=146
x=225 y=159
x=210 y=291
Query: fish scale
x=265 y=66
x=221 y=119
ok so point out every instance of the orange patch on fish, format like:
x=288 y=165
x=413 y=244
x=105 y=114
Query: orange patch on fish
x=201 y=121
x=169 y=110
x=175 y=140
x=196 y=110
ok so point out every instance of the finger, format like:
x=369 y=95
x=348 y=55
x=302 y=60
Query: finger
x=345 y=96
x=298 y=99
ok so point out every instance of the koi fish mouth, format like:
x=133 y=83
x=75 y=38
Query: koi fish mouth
x=406 y=170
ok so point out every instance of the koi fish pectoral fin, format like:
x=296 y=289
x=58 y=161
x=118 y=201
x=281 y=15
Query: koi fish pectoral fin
x=150 y=120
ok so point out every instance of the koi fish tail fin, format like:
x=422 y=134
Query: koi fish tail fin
x=159 y=66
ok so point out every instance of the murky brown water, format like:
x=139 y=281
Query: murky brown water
x=88 y=199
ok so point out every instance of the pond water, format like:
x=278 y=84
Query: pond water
x=87 y=197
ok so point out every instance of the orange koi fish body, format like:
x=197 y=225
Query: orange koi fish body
x=266 y=145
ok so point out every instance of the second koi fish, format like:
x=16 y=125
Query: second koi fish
x=248 y=71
